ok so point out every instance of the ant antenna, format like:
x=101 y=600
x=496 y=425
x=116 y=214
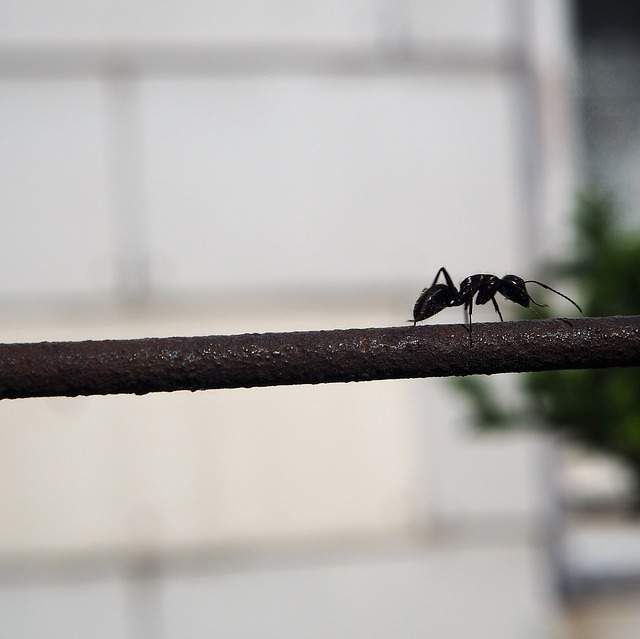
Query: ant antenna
x=536 y=303
x=554 y=290
x=537 y=313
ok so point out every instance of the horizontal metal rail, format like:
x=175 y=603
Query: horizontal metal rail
x=273 y=359
x=28 y=60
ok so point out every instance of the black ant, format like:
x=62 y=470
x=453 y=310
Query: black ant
x=483 y=287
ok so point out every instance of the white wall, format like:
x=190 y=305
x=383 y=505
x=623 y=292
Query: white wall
x=234 y=169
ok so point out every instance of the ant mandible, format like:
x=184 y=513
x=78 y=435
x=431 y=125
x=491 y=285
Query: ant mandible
x=483 y=287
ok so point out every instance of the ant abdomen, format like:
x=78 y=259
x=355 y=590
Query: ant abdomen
x=432 y=300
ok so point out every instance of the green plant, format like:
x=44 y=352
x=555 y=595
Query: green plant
x=597 y=408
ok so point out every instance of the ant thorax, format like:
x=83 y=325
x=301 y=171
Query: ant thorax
x=484 y=284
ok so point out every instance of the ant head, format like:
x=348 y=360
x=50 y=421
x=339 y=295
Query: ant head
x=514 y=289
x=433 y=300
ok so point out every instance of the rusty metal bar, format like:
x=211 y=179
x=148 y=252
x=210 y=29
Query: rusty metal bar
x=272 y=359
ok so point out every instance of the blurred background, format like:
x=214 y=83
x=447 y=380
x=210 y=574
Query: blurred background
x=194 y=168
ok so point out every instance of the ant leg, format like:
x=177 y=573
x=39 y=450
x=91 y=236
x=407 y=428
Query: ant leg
x=435 y=279
x=495 y=305
x=447 y=277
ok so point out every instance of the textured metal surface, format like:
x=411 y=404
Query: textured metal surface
x=272 y=359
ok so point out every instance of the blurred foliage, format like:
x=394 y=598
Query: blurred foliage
x=597 y=408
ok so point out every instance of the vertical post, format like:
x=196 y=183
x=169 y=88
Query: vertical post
x=126 y=175
x=143 y=579
x=528 y=129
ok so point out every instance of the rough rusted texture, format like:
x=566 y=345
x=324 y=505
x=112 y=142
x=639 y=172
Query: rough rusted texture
x=272 y=359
